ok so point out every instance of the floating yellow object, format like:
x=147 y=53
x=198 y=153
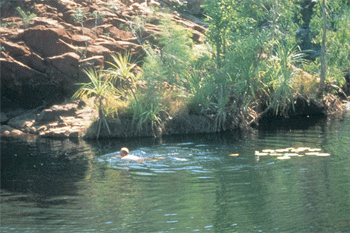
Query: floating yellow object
x=233 y=155
x=323 y=154
x=283 y=157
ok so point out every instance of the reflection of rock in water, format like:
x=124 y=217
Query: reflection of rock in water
x=45 y=168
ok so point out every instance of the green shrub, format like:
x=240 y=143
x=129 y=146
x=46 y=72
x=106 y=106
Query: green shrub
x=26 y=16
x=281 y=72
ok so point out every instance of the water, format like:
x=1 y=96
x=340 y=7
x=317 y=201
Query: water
x=192 y=184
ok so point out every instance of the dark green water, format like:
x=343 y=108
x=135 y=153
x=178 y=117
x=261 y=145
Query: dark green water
x=193 y=186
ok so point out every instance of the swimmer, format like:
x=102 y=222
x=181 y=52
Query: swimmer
x=124 y=154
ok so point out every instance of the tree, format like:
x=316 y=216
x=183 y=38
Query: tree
x=323 y=51
x=221 y=17
x=98 y=88
x=330 y=29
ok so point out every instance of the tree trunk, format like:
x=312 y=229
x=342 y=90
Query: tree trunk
x=323 y=52
x=218 y=49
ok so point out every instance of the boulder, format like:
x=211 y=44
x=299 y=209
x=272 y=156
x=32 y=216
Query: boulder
x=47 y=42
x=25 y=86
x=22 y=53
x=3 y=118
x=66 y=120
x=7 y=130
x=34 y=61
x=67 y=64
x=14 y=49
x=56 y=112
x=96 y=61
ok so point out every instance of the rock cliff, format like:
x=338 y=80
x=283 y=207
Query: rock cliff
x=42 y=56
x=45 y=44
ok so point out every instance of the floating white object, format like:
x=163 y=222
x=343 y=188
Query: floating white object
x=323 y=154
x=283 y=157
x=276 y=154
x=180 y=159
x=314 y=149
x=282 y=150
x=290 y=154
x=268 y=151
x=312 y=153
x=300 y=149
x=260 y=154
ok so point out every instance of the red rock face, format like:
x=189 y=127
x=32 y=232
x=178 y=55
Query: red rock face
x=40 y=63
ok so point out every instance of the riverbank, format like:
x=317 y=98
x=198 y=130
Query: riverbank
x=148 y=69
x=79 y=119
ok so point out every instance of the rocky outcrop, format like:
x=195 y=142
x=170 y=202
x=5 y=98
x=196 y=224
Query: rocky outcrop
x=70 y=120
x=42 y=61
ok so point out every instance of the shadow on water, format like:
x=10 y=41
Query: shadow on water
x=42 y=168
x=298 y=122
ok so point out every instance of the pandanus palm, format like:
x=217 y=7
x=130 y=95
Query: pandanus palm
x=97 y=87
x=121 y=72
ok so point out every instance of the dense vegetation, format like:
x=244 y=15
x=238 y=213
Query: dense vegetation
x=252 y=62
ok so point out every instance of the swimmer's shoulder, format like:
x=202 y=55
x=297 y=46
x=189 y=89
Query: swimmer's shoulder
x=132 y=157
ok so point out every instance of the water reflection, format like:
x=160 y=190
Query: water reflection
x=191 y=184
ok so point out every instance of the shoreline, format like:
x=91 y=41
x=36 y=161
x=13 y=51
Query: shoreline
x=76 y=119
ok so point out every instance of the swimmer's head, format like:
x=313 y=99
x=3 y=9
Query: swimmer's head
x=124 y=152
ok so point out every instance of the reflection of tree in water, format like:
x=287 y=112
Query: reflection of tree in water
x=240 y=199
x=114 y=195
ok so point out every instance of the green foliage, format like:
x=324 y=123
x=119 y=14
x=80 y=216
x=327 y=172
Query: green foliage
x=175 y=52
x=165 y=70
x=171 y=59
x=147 y=112
x=98 y=87
x=121 y=73
x=244 y=63
x=26 y=16
x=255 y=60
x=79 y=16
x=97 y=14
x=137 y=27
x=337 y=38
x=281 y=72
x=113 y=6
x=200 y=92
x=229 y=20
